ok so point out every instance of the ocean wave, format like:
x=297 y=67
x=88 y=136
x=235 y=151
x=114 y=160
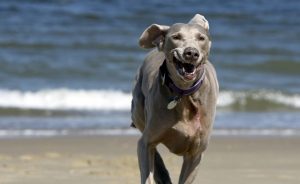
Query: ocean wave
x=287 y=67
x=116 y=100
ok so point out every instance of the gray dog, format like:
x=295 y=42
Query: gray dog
x=174 y=98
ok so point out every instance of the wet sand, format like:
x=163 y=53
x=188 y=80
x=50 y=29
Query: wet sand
x=112 y=159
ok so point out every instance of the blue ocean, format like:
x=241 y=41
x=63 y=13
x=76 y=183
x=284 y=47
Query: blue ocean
x=67 y=66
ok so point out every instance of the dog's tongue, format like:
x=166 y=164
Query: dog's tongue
x=189 y=76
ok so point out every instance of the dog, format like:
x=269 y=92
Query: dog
x=174 y=98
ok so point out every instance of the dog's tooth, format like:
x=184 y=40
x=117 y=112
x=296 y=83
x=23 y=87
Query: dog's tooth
x=194 y=71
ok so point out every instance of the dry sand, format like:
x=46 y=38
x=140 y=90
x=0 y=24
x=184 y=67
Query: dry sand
x=112 y=159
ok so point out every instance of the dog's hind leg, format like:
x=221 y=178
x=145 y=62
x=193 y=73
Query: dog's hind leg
x=161 y=174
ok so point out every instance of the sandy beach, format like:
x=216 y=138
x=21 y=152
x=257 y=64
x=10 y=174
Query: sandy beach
x=112 y=159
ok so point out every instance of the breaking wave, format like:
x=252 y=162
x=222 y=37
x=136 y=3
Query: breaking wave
x=65 y=99
x=116 y=100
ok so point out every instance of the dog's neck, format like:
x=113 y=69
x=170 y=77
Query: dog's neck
x=178 y=91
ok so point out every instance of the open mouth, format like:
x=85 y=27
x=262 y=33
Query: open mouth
x=186 y=70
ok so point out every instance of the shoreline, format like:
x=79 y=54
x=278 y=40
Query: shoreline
x=112 y=159
x=224 y=132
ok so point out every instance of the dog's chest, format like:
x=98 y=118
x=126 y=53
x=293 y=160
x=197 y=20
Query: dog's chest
x=187 y=134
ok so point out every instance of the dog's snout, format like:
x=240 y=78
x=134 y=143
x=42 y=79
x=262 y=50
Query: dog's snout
x=191 y=54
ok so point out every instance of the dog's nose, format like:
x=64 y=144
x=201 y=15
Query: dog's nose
x=191 y=54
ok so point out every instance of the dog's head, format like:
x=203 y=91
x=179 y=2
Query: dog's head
x=186 y=46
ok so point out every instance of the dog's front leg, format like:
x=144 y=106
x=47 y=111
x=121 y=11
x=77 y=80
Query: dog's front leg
x=189 y=168
x=146 y=153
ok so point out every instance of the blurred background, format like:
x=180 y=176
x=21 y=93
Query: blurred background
x=67 y=66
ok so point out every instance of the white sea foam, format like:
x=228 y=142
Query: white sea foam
x=227 y=98
x=52 y=133
x=111 y=100
x=66 y=99
x=256 y=132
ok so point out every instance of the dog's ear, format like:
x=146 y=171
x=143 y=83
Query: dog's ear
x=201 y=20
x=153 y=36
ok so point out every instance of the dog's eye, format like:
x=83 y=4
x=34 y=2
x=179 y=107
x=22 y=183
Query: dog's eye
x=200 y=38
x=177 y=37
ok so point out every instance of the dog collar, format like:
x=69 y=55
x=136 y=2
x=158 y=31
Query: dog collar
x=166 y=80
